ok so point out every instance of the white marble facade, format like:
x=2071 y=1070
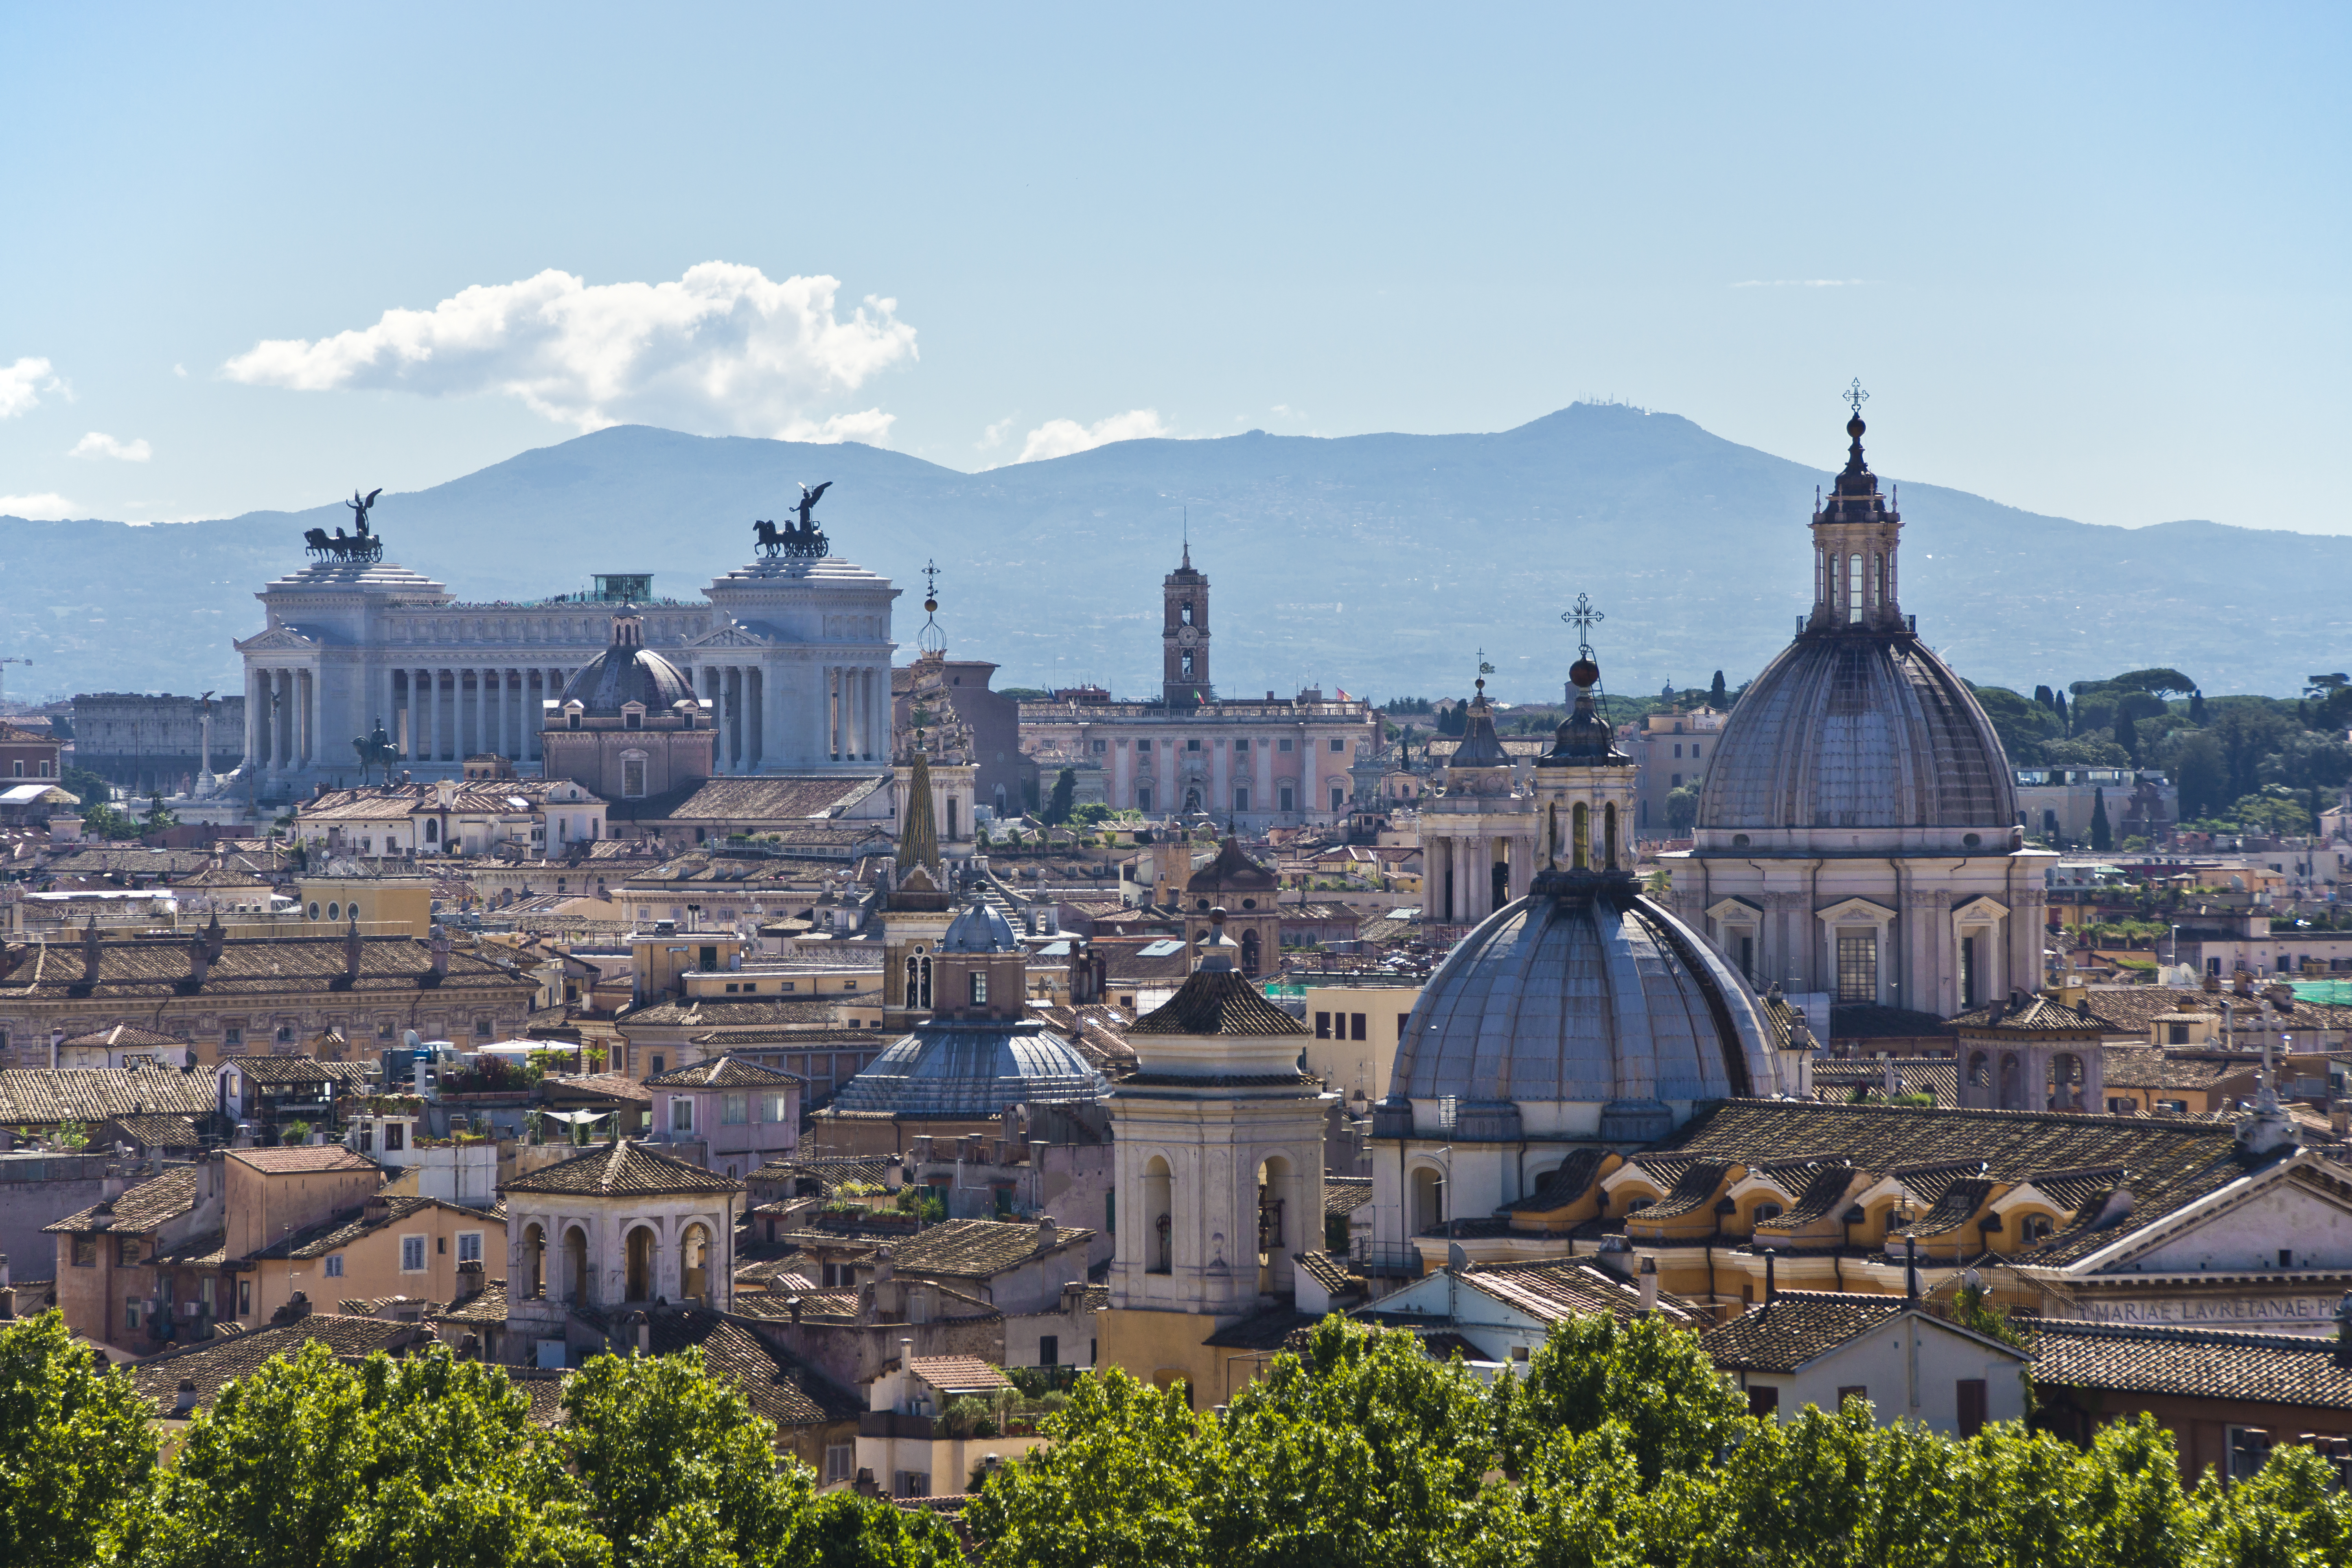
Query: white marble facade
x=794 y=656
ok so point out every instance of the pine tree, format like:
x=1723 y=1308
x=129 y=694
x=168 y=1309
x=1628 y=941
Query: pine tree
x=2197 y=709
x=2043 y=695
x=2103 y=838
x=1057 y=809
x=1716 y=696
x=2058 y=706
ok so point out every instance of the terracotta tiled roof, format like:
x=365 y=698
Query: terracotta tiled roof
x=1269 y=1330
x=1939 y=1075
x=1958 y=1204
x=92 y=1095
x=342 y=1229
x=976 y=1248
x=149 y=970
x=302 y=1158
x=1229 y=871
x=1217 y=1002
x=784 y=1389
x=1695 y=1187
x=139 y=1209
x=2030 y=1010
x=490 y=1307
x=2132 y=1008
x=2198 y=1363
x=130 y=1036
x=1345 y=1195
x=745 y=1012
x=622 y=1169
x=214 y=1365
x=1328 y=1270
x=2127 y=1066
x=724 y=1072
x=1796 y=1328
x=1824 y=1190
x=958 y=1373
x=770 y=799
x=1553 y=1288
x=158 y=1131
x=605 y=1085
x=277 y=1071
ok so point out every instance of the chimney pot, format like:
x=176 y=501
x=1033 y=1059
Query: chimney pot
x=1649 y=1281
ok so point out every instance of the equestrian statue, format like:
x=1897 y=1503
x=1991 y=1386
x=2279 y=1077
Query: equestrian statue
x=804 y=540
x=360 y=546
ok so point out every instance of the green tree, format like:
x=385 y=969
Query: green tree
x=2201 y=775
x=2022 y=726
x=88 y=787
x=2272 y=812
x=1057 y=808
x=1650 y=1379
x=2102 y=835
x=391 y=1464
x=77 y=1448
x=2088 y=750
x=1716 y=696
x=104 y=821
x=159 y=816
x=1682 y=808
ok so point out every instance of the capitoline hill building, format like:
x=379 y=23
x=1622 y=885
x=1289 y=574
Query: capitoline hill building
x=1252 y=764
x=791 y=651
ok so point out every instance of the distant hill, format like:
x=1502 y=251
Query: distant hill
x=1379 y=563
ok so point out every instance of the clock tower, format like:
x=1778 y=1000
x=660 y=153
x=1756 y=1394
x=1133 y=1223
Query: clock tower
x=1185 y=677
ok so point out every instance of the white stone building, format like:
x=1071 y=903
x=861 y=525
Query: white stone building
x=792 y=654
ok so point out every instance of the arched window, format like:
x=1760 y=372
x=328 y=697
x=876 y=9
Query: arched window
x=1853 y=588
x=1274 y=1247
x=1188 y=663
x=534 y=1262
x=432 y=831
x=1979 y=1070
x=1579 y=836
x=576 y=1267
x=1877 y=579
x=1249 y=952
x=1609 y=828
x=1159 y=1217
x=640 y=1287
x=694 y=1265
x=1428 y=1199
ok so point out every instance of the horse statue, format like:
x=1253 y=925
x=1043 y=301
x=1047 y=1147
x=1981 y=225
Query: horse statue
x=316 y=544
x=801 y=541
x=363 y=545
x=377 y=750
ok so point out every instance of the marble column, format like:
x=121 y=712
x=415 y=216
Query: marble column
x=252 y=706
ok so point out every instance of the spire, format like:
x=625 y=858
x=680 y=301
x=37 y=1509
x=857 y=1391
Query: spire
x=931 y=639
x=918 y=840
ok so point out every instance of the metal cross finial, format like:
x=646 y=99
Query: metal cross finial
x=1583 y=617
x=1856 y=396
x=1484 y=668
x=930 y=580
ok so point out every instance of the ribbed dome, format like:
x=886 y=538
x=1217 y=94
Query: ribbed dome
x=976 y=1070
x=1858 y=729
x=626 y=673
x=1584 y=992
x=980 y=928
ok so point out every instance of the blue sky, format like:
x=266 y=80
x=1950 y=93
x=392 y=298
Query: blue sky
x=2089 y=261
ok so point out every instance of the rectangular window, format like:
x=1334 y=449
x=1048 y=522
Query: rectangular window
x=85 y=1252
x=771 y=1108
x=1240 y=799
x=633 y=776
x=1400 y=1020
x=734 y=1109
x=1282 y=745
x=1857 y=966
x=126 y=1251
x=978 y=988
x=1049 y=1350
x=130 y=1313
x=1241 y=748
x=1338 y=745
x=1143 y=748
x=1969 y=1395
x=335 y=1267
x=2250 y=1447
x=655 y=1070
x=233 y=1037
x=412 y=1254
x=1355 y=1026
x=395 y=1137
x=1322 y=1025
x=1100 y=747
x=840 y=1462
x=1338 y=798
x=1852 y=1390
x=681 y=1113
x=244 y=1297
x=1762 y=1401
x=470 y=1246
x=1192 y=746
x=1287 y=798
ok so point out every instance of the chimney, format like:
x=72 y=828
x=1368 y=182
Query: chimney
x=185 y=1404
x=792 y=1306
x=1649 y=1278
x=200 y=960
x=1048 y=1233
x=440 y=950
x=214 y=938
x=883 y=1271
x=352 y=948
x=470 y=1281
x=89 y=951
x=1911 y=1270
x=1771 y=1280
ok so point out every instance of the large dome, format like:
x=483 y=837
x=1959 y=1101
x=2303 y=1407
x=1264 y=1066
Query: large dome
x=1857 y=728
x=624 y=673
x=972 y=1070
x=1584 y=993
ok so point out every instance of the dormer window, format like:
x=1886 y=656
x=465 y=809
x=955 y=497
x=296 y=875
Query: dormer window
x=632 y=722
x=572 y=719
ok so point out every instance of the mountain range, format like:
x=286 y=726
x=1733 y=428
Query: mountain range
x=1382 y=563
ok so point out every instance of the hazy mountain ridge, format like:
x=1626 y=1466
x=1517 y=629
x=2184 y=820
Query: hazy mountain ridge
x=1431 y=547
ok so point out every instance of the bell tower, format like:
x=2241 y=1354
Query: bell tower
x=1184 y=674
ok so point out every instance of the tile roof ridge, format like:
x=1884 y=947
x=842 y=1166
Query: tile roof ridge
x=2183 y=1332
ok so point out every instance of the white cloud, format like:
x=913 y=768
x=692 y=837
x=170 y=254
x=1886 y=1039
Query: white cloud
x=181 y=371
x=36 y=509
x=723 y=349
x=21 y=385
x=993 y=436
x=1060 y=438
x=98 y=444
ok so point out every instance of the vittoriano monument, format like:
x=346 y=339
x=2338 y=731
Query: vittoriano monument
x=359 y=546
x=803 y=538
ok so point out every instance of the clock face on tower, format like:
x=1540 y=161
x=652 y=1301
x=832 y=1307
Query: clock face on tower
x=1188 y=635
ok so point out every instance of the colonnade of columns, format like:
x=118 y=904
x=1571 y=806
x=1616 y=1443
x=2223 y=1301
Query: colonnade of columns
x=858 y=712
x=281 y=711
x=738 y=694
x=1458 y=872
x=448 y=714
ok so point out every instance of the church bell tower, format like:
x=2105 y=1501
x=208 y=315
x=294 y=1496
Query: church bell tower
x=1185 y=675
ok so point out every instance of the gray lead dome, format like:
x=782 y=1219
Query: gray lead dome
x=977 y=1069
x=1584 y=993
x=1857 y=731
